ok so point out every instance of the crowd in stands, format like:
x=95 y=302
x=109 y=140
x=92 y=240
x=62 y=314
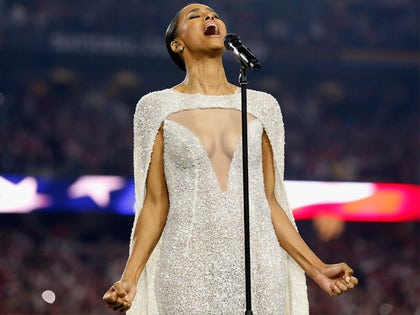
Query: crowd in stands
x=50 y=127
x=58 y=119
x=373 y=23
x=63 y=123
x=77 y=258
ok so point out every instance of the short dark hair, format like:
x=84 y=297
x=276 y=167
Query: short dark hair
x=170 y=35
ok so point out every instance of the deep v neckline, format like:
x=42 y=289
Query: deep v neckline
x=238 y=145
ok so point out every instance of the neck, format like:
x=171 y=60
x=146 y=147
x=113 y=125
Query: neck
x=206 y=77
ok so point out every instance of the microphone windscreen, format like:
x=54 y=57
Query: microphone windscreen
x=230 y=38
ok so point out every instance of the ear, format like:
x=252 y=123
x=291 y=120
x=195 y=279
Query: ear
x=177 y=46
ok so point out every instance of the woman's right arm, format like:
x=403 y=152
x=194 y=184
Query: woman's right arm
x=148 y=229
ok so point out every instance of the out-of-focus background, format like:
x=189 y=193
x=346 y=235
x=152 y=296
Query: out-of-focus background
x=346 y=74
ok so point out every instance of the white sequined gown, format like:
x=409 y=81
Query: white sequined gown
x=199 y=265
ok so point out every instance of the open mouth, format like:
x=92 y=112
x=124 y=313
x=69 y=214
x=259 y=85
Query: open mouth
x=211 y=29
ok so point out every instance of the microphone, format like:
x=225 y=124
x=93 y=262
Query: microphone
x=241 y=53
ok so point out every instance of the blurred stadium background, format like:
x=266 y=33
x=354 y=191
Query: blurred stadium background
x=346 y=74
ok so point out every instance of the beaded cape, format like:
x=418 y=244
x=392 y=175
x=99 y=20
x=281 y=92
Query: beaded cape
x=151 y=112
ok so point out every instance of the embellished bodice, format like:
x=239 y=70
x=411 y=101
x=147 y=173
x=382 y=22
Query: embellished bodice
x=202 y=245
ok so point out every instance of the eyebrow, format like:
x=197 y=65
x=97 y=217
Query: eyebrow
x=198 y=9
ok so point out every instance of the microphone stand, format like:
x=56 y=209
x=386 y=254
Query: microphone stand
x=246 y=59
x=243 y=81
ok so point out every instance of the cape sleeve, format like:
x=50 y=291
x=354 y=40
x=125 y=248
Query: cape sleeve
x=270 y=115
x=148 y=117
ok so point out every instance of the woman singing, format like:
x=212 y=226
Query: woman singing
x=187 y=248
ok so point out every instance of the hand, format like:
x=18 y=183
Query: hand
x=336 y=279
x=120 y=296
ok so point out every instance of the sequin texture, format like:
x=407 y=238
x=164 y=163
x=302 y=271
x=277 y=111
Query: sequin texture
x=198 y=266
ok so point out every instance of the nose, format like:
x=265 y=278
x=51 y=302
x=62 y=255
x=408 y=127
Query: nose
x=209 y=16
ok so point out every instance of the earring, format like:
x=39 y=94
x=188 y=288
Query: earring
x=181 y=49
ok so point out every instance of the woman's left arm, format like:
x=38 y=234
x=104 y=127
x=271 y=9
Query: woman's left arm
x=332 y=278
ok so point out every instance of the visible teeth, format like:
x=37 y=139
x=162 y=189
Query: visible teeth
x=211 y=29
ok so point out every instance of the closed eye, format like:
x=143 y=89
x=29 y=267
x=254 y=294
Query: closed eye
x=193 y=14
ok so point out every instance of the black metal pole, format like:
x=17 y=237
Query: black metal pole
x=243 y=81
